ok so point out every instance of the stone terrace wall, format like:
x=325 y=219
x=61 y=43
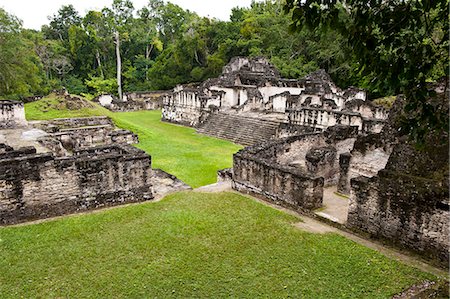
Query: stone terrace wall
x=255 y=171
x=322 y=118
x=58 y=124
x=407 y=202
x=70 y=134
x=34 y=186
x=405 y=209
x=12 y=114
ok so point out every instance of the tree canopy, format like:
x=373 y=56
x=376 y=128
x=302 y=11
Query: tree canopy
x=399 y=47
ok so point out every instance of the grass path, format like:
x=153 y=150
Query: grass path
x=191 y=245
x=192 y=157
x=179 y=150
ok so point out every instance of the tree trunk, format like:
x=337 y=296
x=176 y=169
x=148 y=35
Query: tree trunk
x=148 y=51
x=119 y=66
x=99 y=62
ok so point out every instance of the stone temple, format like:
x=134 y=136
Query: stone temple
x=250 y=102
x=308 y=140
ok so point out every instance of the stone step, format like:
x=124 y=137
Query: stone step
x=238 y=128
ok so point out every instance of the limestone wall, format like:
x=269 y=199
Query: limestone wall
x=34 y=186
x=12 y=114
x=408 y=210
x=322 y=118
x=283 y=185
x=369 y=155
x=58 y=124
x=133 y=101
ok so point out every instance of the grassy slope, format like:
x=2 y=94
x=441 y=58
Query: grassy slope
x=191 y=245
x=192 y=157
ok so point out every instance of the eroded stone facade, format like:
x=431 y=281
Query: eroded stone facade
x=62 y=166
x=397 y=192
x=133 y=101
x=254 y=86
x=34 y=186
x=12 y=114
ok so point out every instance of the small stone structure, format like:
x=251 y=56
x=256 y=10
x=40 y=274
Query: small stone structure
x=34 y=186
x=67 y=134
x=253 y=88
x=12 y=114
x=396 y=192
x=293 y=170
x=70 y=165
x=133 y=101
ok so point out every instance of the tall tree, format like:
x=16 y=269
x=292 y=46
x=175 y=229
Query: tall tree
x=60 y=23
x=19 y=65
x=119 y=17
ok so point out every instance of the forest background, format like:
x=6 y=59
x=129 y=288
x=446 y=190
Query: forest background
x=161 y=45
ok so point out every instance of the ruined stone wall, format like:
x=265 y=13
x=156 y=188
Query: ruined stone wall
x=34 y=186
x=402 y=193
x=369 y=155
x=322 y=118
x=12 y=114
x=133 y=101
x=283 y=185
x=184 y=107
x=58 y=124
x=78 y=138
x=404 y=209
x=254 y=85
x=286 y=130
x=69 y=134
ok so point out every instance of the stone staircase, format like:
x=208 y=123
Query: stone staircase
x=240 y=129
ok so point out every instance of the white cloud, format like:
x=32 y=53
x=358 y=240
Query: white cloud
x=34 y=13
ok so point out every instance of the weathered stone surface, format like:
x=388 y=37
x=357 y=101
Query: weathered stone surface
x=283 y=185
x=133 y=101
x=66 y=135
x=225 y=175
x=164 y=183
x=249 y=86
x=399 y=192
x=408 y=210
x=12 y=114
x=34 y=186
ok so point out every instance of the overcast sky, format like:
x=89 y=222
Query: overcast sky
x=34 y=13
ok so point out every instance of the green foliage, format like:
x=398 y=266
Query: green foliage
x=400 y=44
x=100 y=85
x=163 y=45
x=192 y=245
x=75 y=85
x=19 y=65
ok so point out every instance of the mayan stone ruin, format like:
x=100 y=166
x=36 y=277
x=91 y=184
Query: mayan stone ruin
x=250 y=102
x=308 y=138
x=133 y=101
x=307 y=142
x=62 y=166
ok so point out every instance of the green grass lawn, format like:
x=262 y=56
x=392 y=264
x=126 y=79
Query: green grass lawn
x=192 y=157
x=191 y=245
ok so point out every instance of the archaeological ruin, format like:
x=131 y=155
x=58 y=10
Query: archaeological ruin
x=250 y=102
x=308 y=139
x=133 y=101
x=51 y=168
x=12 y=114
x=311 y=147
x=396 y=192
